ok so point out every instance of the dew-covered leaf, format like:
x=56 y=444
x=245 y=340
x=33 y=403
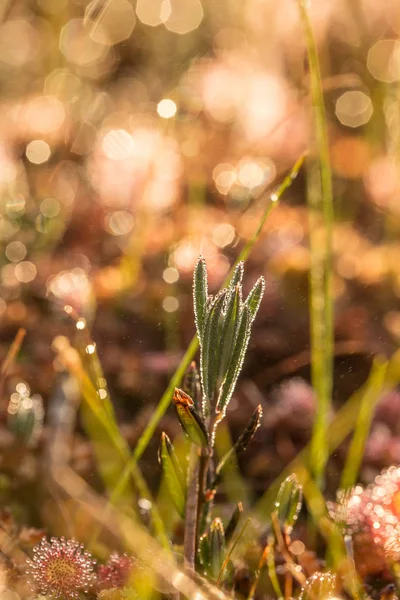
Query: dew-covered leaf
x=236 y=362
x=254 y=298
x=237 y=275
x=229 y=329
x=210 y=345
x=200 y=295
x=288 y=502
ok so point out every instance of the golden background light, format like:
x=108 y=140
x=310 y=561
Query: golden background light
x=170 y=304
x=354 y=108
x=184 y=16
x=38 y=151
x=224 y=176
x=223 y=235
x=50 y=207
x=25 y=271
x=15 y=251
x=118 y=144
x=119 y=223
x=77 y=46
x=383 y=60
x=149 y=12
x=166 y=108
x=115 y=23
x=170 y=275
x=18 y=42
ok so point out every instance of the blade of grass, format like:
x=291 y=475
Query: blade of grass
x=320 y=203
x=272 y=574
x=363 y=424
x=112 y=452
x=261 y=563
x=193 y=346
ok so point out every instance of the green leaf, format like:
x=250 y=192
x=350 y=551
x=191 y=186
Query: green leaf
x=244 y=440
x=236 y=362
x=200 y=295
x=237 y=275
x=217 y=543
x=288 y=502
x=210 y=345
x=192 y=423
x=254 y=298
x=172 y=474
x=231 y=321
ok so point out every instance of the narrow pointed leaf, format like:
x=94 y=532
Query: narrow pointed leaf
x=217 y=542
x=229 y=329
x=254 y=298
x=288 y=502
x=237 y=275
x=236 y=362
x=244 y=440
x=172 y=474
x=192 y=423
x=233 y=522
x=209 y=349
x=200 y=295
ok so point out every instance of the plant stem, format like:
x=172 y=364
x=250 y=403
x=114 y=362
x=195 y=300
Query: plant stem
x=191 y=516
x=320 y=201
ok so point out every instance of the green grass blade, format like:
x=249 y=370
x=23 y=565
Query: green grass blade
x=111 y=449
x=320 y=201
x=363 y=424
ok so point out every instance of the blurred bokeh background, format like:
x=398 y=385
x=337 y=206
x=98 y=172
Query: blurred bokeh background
x=135 y=136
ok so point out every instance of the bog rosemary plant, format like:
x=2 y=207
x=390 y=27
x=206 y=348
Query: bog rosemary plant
x=223 y=324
